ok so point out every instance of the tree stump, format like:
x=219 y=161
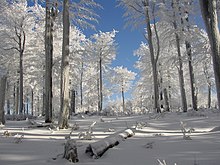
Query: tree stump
x=70 y=151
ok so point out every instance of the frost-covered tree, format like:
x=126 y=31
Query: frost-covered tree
x=122 y=80
x=18 y=20
x=102 y=52
x=81 y=13
x=172 y=13
x=142 y=12
x=204 y=69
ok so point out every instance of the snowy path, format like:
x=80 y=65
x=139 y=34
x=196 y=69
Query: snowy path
x=40 y=145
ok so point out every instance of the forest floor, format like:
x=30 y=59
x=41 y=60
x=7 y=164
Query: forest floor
x=157 y=137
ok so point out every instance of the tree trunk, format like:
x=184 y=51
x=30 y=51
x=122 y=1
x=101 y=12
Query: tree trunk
x=81 y=87
x=98 y=148
x=100 y=84
x=123 y=99
x=48 y=63
x=64 y=108
x=3 y=80
x=181 y=77
x=166 y=100
x=191 y=72
x=14 y=99
x=209 y=96
x=27 y=102
x=180 y=69
x=21 y=84
x=32 y=102
x=17 y=98
x=8 y=99
x=209 y=13
x=192 y=77
x=73 y=101
x=98 y=88
x=153 y=60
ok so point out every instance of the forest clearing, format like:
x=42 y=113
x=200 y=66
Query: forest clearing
x=157 y=137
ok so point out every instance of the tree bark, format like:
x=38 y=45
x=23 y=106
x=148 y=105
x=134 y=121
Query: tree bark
x=209 y=96
x=81 y=87
x=8 y=101
x=32 y=102
x=98 y=148
x=166 y=100
x=73 y=101
x=100 y=84
x=209 y=13
x=3 y=80
x=123 y=99
x=48 y=63
x=17 y=98
x=64 y=108
x=191 y=75
x=21 y=83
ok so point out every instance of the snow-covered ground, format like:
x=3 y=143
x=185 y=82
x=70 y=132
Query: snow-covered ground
x=160 y=138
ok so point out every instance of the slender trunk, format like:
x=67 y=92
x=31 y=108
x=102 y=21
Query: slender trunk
x=123 y=99
x=100 y=84
x=98 y=88
x=209 y=96
x=81 y=87
x=48 y=63
x=8 y=100
x=14 y=99
x=32 y=102
x=191 y=74
x=27 y=107
x=3 y=80
x=209 y=13
x=153 y=60
x=17 y=98
x=64 y=108
x=73 y=101
x=38 y=106
x=21 y=104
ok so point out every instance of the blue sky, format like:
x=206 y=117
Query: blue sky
x=111 y=17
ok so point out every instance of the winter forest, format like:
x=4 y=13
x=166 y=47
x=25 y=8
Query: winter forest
x=60 y=89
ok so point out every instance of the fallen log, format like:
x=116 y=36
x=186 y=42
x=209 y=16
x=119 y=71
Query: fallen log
x=37 y=124
x=97 y=149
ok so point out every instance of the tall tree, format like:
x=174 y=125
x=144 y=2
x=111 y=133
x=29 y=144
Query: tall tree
x=51 y=12
x=210 y=17
x=64 y=92
x=175 y=7
x=185 y=18
x=18 y=24
x=123 y=80
x=81 y=14
x=137 y=13
x=103 y=52
x=2 y=95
